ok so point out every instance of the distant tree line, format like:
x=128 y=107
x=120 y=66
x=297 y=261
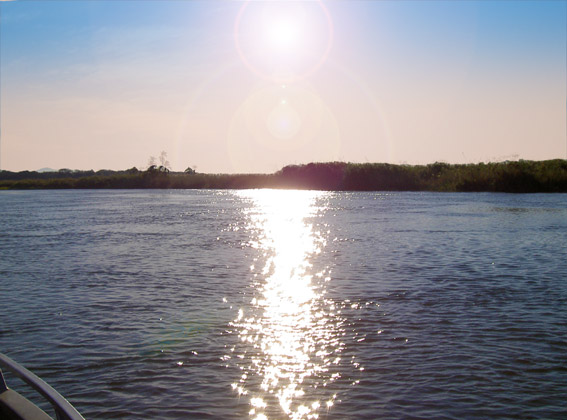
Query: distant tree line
x=517 y=177
x=61 y=173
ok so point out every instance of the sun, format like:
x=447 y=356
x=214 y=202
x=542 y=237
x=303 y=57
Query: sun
x=283 y=41
x=283 y=33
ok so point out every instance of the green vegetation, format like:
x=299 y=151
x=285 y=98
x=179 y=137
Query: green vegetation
x=518 y=177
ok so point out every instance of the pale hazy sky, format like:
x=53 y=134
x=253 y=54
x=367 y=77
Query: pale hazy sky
x=252 y=86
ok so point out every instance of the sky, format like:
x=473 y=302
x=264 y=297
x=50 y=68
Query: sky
x=249 y=87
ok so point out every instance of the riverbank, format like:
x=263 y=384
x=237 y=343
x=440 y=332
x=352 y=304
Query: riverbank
x=516 y=177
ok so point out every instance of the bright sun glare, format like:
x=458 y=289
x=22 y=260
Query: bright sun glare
x=283 y=40
x=283 y=33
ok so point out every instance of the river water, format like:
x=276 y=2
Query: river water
x=265 y=304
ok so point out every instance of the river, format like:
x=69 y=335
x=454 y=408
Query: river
x=267 y=304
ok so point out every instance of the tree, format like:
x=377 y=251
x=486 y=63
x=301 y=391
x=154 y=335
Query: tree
x=163 y=160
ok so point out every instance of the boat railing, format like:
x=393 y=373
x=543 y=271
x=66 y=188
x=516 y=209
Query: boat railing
x=63 y=409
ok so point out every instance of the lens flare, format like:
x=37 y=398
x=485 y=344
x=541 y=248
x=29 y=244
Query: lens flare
x=281 y=124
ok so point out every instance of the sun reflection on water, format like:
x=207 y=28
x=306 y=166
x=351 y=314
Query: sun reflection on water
x=289 y=335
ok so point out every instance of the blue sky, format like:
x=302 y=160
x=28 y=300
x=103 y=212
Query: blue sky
x=107 y=84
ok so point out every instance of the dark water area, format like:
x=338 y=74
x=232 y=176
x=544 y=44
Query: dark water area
x=269 y=304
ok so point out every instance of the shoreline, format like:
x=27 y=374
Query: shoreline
x=513 y=177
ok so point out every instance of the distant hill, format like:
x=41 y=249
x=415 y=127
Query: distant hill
x=46 y=170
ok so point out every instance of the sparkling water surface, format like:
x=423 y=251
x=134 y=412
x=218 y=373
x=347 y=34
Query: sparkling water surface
x=265 y=304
